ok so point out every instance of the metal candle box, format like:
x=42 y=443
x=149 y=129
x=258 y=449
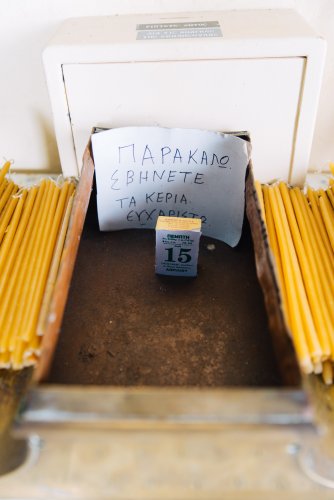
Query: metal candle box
x=15 y=384
x=103 y=72
x=282 y=343
x=257 y=70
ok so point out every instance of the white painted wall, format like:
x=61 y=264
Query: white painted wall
x=26 y=129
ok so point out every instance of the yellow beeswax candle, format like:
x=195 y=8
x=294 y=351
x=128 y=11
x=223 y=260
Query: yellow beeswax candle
x=54 y=266
x=35 y=303
x=311 y=278
x=33 y=348
x=3 y=186
x=327 y=218
x=309 y=333
x=31 y=222
x=4 y=360
x=10 y=189
x=16 y=356
x=71 y=189
x=13 y=301
x=320 y=224
x=15 y=258
x=7 y=216
x=31 y=266
x=318 y=254
x=287 y=250
x=277 y=256
x=4 y=170
x=327 y=372
x=12 y=228
x=306 y=275
x=324 y=250
x=330 y=195
x=7 y=259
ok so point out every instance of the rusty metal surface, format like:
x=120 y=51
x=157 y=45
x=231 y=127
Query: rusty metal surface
x=165 y=407
x=167 y=443
x=124 y=325
x=13 y=386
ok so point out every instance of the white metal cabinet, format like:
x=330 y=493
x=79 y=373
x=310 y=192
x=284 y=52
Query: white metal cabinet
x=263 y=75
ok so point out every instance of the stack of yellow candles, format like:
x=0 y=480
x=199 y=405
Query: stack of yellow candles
x=300 y=228
x=33 y=225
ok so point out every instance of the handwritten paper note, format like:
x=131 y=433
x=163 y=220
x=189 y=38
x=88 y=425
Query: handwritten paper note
x=144 y=172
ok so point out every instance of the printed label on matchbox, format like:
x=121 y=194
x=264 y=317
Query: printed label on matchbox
x=177 y=241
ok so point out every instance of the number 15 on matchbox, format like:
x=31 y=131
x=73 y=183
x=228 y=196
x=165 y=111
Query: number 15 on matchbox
x=177 y=242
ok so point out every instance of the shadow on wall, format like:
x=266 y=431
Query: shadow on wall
x=48 y=142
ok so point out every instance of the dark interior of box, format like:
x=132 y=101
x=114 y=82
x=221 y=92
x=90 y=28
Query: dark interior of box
x=126 y=326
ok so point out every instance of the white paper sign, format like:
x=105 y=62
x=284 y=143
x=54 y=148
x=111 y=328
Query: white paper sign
x=144 y=172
